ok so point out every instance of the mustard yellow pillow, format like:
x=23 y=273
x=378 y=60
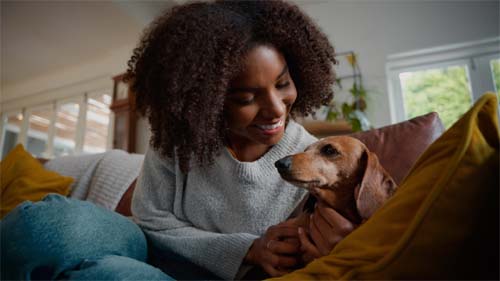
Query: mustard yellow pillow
x=24 y=178
x=442 y=223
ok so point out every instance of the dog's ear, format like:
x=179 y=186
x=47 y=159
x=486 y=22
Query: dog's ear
x=375 y=188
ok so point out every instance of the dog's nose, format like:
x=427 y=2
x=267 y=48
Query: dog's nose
x=284 y=164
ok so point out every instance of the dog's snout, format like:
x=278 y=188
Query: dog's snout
x=284 y=164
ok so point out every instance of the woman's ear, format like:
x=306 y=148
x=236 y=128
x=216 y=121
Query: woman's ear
x=375 y=187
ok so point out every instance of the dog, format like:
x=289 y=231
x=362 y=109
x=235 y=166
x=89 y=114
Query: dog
x=340 y=172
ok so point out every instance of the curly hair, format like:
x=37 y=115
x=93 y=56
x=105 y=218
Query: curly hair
x=182 y=67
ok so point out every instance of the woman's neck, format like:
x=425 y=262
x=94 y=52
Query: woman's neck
x=247 y=151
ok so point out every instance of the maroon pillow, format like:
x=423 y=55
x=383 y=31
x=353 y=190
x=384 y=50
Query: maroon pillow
x=398 y=146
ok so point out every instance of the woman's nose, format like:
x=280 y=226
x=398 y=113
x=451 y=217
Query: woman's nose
x=274 y=106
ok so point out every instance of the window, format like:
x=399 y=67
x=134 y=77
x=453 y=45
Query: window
x=75 y=125
x=495 y=70
x=38 y=130
x=445 y=90
x=97 y=123
x=11 y=124
x=445 y=79
x=65 y=128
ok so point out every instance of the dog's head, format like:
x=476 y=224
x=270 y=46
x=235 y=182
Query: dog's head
x=341 y=172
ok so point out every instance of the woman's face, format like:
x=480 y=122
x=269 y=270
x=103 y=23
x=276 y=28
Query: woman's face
x=259 y=99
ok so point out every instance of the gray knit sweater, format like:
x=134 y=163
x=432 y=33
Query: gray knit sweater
x=212 y=215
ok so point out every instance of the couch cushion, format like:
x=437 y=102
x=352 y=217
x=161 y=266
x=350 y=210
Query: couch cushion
x=398 y=146
x=79 y=167
x=24 y=178
x=442 y=222
x=114 y=174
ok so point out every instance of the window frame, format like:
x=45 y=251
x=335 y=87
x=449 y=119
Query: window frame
x=24 y=134
x=80 y=99
x=109 y=137
x=80 y=124
x=474 y=55
x=3 y=126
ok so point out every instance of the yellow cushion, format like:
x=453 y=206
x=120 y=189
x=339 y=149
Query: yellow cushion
x=24 y=178
x=443 y=221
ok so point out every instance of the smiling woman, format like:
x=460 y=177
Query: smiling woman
x=226 y=79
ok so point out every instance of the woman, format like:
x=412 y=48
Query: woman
x=219 y=83
x=223 y=79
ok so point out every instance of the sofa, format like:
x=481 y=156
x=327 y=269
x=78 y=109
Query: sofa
x=108 y=179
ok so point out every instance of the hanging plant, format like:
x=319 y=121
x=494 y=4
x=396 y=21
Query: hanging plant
x=353 y=112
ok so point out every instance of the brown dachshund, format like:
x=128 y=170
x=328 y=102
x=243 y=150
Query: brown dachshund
x=341 y=173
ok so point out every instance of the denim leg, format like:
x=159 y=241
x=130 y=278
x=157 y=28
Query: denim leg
x=57 y=234
x=115 y=268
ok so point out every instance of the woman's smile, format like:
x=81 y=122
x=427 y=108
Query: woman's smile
x=272 y=128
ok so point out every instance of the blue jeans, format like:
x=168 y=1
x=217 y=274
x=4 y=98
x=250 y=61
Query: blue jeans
x=65 y=238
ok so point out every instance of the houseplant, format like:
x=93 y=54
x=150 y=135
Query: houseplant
x=353 y=109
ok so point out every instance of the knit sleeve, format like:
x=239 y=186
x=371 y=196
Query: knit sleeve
x=152 y=208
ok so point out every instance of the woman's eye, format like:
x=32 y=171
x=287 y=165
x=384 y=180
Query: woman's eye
x=241 y=98
x=283 y=85
x=244 y=101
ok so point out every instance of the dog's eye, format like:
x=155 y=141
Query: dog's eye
x=329 y=150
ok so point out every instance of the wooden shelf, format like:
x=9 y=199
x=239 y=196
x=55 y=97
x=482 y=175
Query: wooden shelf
x=321 y=129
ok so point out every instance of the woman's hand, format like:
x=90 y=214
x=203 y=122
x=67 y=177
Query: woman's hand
x=326 y=228
x=276 y=251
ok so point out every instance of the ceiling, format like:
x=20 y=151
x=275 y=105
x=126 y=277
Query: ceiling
x=38 y=37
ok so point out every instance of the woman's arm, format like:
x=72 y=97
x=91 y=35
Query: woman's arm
x=152 y=208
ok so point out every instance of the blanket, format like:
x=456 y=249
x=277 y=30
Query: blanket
x=99 y=178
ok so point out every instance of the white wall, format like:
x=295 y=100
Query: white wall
x=377 y=28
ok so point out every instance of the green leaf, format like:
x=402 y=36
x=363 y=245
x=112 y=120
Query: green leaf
x=332 y=115
x=356 y=125
x=362 y=92
x=354 y=90
x=346 y=110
